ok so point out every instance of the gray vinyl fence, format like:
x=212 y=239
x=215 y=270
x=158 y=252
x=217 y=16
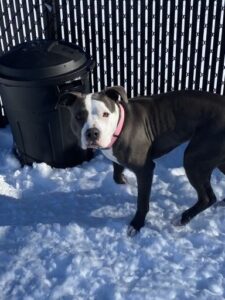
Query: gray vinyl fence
x=146 y=46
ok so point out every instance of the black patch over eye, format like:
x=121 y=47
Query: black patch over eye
x=105 y=114
x=81 y=115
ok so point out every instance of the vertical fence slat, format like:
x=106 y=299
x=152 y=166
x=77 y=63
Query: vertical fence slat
x=5 y=22
x=100 y=43
x=156 y=46
x=189 y=28
x=185 y=45
x=143 y=45
x=178 y=45
x=94 y=54
x=114 y=42
x=135 y=47
x=107 y=44
x=221 y=59
x=26 y=14
x=65 y=24
x=12 y=11
x=71 y=20
x=200 y=44
x=203 y=54
x=218 y=56
x=160 y=47
x=78 y=17
x=58 y=20
x=176 y=48
x=208 y=42
x=8 y=22
x=149 y=48
x=32 y=19
x=86 y=27
x=170 y=47
x=192 y=46
x=3 y=31
x=121 y=41
x=163 y=48
x=215 y=45
x=128 y=52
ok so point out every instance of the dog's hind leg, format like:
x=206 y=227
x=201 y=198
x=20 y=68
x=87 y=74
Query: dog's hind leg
x=200 y=159
x=206 y=196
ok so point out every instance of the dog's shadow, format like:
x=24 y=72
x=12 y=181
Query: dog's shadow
x=85 y=208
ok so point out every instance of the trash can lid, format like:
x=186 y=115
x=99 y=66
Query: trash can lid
x=43 y=60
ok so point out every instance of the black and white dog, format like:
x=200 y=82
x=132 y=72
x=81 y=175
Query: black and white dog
x=132 y=134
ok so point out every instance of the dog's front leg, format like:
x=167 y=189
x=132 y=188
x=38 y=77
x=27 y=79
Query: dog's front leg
x=118 y=175
x=144 y=182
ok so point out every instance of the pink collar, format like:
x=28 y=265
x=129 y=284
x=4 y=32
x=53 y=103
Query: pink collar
x=119 y=126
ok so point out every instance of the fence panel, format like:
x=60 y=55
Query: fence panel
x=146 y=46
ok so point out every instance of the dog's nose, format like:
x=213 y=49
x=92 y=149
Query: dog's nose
x=92 y=134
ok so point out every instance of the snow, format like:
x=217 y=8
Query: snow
x=63 y=234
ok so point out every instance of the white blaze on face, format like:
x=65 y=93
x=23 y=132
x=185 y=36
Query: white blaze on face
x=96 y=119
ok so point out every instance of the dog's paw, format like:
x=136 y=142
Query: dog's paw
x=177 y=221
x=219 y=204
x=181 y=220
x=120 y=179
x=131 y=231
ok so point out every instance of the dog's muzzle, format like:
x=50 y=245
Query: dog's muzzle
x=92 y=136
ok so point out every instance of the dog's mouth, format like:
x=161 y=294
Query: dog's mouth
x=93 y=145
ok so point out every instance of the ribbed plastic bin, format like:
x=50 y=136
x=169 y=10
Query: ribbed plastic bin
x=32 y=77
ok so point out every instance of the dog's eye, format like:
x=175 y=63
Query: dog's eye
x=80 y=115
x=105 y=114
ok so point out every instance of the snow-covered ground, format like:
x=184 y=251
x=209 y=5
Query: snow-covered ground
x=63 y=234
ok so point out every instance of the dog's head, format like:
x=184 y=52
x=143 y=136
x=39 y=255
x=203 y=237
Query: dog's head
x=95 y=115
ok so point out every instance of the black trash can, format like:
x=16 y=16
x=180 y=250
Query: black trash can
x=32 y=77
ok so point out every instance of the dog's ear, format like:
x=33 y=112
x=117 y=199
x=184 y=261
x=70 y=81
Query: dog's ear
x=68 y=99
x=114 y=92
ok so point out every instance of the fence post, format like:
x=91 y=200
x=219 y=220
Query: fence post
x=50 y=19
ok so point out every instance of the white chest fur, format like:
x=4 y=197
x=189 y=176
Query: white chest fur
x=109 y=154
